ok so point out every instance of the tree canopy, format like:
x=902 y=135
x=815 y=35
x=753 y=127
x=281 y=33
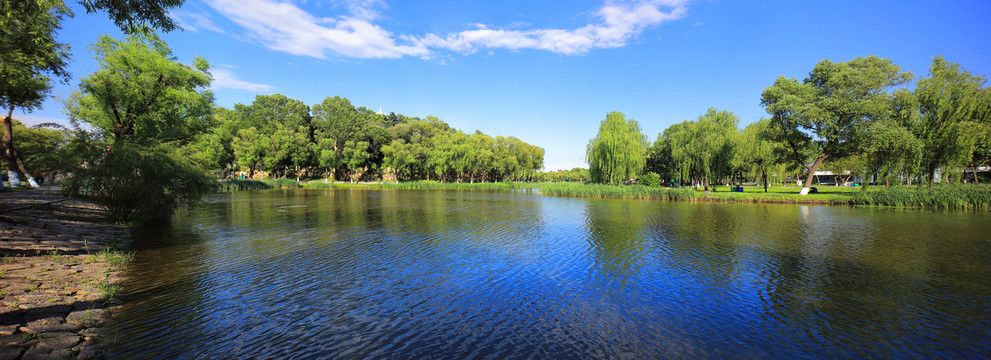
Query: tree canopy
x=953 y=107
x=148 y=109
x=618 y=152
x=825 y=115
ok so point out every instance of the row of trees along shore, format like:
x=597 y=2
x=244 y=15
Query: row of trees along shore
x=147 y=137
x=858 y=117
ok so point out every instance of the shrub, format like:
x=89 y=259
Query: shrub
x=650 y=179
x=138 y=183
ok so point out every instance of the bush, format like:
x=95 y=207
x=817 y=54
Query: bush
x=138 y=183
x=650 y=180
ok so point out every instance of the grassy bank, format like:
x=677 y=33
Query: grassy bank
x=826 y=195
x=420 y=185
x=616 y=192
x=946 y=196
x=227 y=185
x=943 y=196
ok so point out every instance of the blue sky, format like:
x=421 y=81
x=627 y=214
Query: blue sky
x=546 y=72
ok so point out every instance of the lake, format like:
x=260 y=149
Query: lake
x=461 y=274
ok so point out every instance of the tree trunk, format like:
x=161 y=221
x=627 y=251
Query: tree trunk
x=972 y=166
x=14 y=160
x=812 y=170
x=763 y=175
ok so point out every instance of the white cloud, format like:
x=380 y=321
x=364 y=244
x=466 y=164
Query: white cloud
x=620 y=22
x=194 y=21
x=225 y=79
x=283 y=26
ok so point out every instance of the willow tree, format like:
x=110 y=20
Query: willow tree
x=703 y=150
x=952 y=105
x=618 y=152
x=760 y=151
x=824 y=115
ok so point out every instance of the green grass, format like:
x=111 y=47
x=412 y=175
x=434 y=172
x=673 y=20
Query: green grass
x=827 y=194
x=616 y=192
x=421 y=185
x=117 y=259
x=228 y=185
x=109 y=290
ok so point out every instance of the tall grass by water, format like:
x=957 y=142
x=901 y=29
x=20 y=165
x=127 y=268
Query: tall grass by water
x=617 y=192
x=228 y=185
x=940 y=196
x=421 y=185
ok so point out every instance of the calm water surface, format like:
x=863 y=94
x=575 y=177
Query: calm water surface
x=471 y=274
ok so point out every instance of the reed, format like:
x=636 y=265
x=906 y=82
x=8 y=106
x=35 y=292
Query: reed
x=228 y=185
x=616 y=192
x=420 y=185
x=940 y=196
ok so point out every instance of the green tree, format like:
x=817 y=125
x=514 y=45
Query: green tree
x=760 y=151
x=703 y=150
x=147 y=107
x=952 y=103
x=31 y=53
x=133 y=16
x=824 y=115
x=335 y=122
x=141 y=94
x=618 y=151
x=890 y=148
x=282 y=138
x=249 y=149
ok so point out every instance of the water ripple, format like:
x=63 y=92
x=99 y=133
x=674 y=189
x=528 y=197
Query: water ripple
x=483 y=275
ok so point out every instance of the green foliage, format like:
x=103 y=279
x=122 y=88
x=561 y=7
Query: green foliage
x=761 y=152
x=825 y=115
x=30 y=51
x=228 y=185
x=115 y=258
x=140 y=94
x=107 y=289
x=943 y=196
x=616 y=192
x=133 y=16
x=41 y=147
x=890 y=149
x=703 y=150
x=573 y=175
x=137 y=182
x=147 y=109
x=413 y=185
x=953 y=106
x=650 y=179
x=618 y=151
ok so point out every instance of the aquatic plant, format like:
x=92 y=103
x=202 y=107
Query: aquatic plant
x=941 y=196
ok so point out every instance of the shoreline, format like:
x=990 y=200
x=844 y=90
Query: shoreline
x=58 y=275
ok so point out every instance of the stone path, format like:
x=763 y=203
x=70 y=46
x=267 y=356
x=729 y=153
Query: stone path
x=56 y=282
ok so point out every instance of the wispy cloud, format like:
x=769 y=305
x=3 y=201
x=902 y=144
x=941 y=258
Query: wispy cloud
x=225 y=79
x=283 y=26
x=194 y=21
x=619 y=22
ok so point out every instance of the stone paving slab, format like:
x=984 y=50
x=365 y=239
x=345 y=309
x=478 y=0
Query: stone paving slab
x=51 y=304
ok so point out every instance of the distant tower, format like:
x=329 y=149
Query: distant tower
x=380 y=111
